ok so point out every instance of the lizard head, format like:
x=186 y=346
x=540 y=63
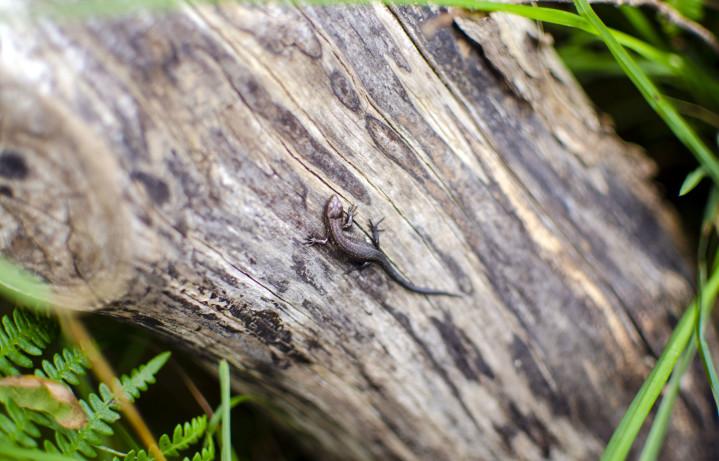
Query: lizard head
x=334 y=208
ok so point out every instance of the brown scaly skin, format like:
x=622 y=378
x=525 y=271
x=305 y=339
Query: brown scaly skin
x=337 y=221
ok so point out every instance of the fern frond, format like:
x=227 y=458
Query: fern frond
x=100 y=413
x=26 y=333
x=142 y=376
x=130 y=456
x=183 y=436
x=207 y=453
x=68 y=367
x=100 y=410
x=135 y=456
x=50 y=447
x=72 y=442
x=17 y=426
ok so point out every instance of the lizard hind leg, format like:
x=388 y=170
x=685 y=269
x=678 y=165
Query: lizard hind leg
x=375 y=232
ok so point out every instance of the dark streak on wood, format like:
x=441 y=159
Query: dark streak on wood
x=525 y=362
x=405 y=323
x=155 y=187
x=342 y=88
x=465 y=354
x=13 y=165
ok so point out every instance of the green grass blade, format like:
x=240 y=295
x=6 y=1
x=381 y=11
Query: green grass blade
x=692 y=180
x=234 y=401
x=21 y=287
x=706 y=303
x=13 y=452
x=663 y=63
x=624 y=435
x=696 y=111
x=653 y=444
x=563 y=18
x=654 y=441
x=661 y=106
x=629 y=426
x=705 y=354
x=703 y=86
x=656 y=435
x=85 y=8
x=224 y=370
x=642 y=25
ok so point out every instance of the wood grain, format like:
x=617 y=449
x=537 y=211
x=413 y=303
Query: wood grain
x=165 y=169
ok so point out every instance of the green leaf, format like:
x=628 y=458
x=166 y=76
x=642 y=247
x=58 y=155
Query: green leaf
x=692 y=180
x=22 y=287
x=42 y=394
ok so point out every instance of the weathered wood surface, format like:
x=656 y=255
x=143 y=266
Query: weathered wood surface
x=166 y=167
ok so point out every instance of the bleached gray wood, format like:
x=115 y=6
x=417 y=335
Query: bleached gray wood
x=165 y=168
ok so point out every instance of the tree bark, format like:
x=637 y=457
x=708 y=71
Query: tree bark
x=165 y=169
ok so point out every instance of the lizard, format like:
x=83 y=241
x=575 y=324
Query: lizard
x=338 y=221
